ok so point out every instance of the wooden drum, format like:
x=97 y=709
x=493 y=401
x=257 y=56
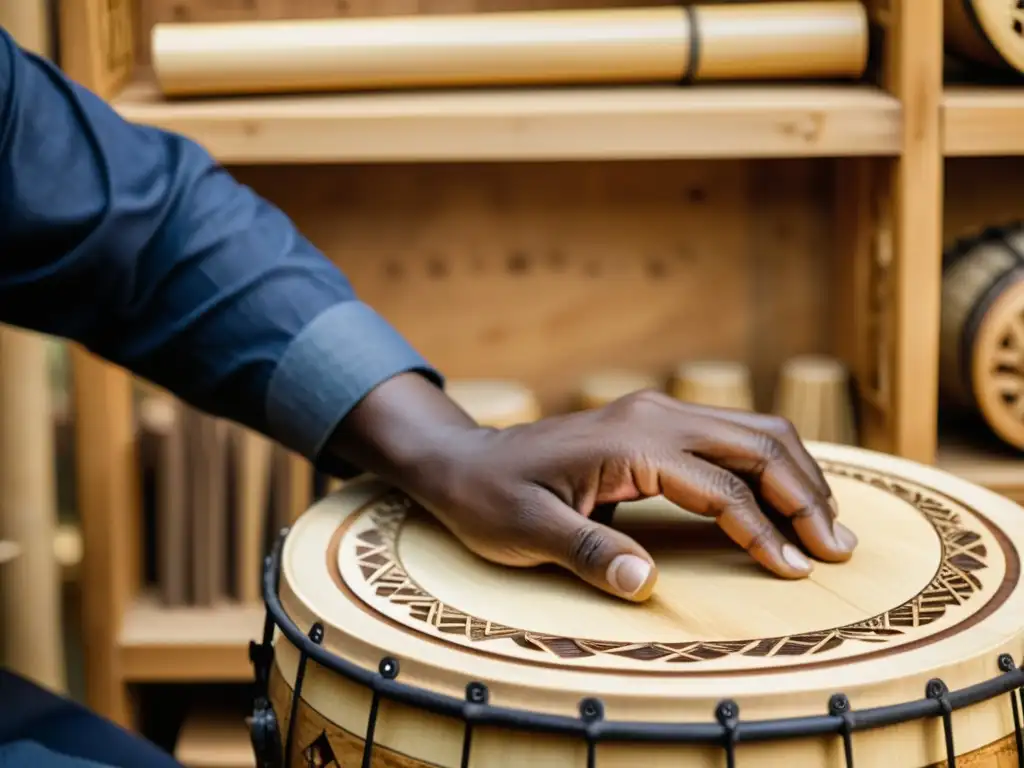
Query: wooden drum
x=390 y=645
x=987 y=32
x=981 y=356
x=605 y=387
x=495 y=403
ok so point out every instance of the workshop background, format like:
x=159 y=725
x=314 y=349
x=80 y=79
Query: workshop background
x=797 y=224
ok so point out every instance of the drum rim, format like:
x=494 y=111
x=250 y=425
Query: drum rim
x=724 y=729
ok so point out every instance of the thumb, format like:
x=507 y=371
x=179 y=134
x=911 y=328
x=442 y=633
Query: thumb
x=608 y=559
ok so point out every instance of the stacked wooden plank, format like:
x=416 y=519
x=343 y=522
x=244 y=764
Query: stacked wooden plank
x=215 y=494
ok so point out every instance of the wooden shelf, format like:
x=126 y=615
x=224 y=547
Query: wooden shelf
x=994 y=467
x=212 y=738
x=983 y=120
x=160 y=644
x=532 y=124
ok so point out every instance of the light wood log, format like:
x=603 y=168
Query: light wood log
x=773 y=40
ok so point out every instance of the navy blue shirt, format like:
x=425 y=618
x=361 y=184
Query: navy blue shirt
x=134 y=242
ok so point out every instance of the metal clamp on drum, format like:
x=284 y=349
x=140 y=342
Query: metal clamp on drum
x=906 y=656
x=264 y=731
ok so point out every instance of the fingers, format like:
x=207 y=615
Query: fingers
x=718 y=436
x=779 y=428
x=603 y=557
x=781 y=483
x=707 y=489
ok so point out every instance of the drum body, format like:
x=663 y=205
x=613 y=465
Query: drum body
x=413 y=638
x=981 y=358
x=986 y=32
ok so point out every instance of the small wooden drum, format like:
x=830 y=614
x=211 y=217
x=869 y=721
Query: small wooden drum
x=388 y=644
x=981 y=351
x=718 y=383
x=987 y=32
x=495 y=403
x=600 y=389
x=813 y=393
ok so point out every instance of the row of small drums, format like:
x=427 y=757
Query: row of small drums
x=812 y=392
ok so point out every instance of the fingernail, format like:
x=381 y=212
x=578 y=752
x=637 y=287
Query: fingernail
x=627 y=573
x=834 y=505
x=847 y=539
x=795 y=558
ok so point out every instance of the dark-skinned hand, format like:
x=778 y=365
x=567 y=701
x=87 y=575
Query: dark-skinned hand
x=529 y=494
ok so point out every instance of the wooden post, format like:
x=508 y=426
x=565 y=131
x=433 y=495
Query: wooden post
x=105 y=457
x=890 y=224
x=30 y=586
x=97 y=50
x=915 y=77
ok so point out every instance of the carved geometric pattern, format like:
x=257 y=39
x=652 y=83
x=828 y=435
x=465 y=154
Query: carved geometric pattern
x=320 y=754
x=962 y=556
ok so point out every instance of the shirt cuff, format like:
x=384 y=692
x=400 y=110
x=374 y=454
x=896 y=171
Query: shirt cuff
x=334 y=362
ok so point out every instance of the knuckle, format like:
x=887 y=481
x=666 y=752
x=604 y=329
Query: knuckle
x=762 y=536
x=585 y=547
x=780 y=428
x=637 y=404
x=729 y=491
x=769 y=448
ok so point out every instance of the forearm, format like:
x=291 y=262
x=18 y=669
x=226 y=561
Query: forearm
x=135 y=243
x=400 y=432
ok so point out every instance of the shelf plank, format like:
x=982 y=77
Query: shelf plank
x=212 y=738
x=983 y=121
x=209 y=644
x=993 y=467
x=532 y=124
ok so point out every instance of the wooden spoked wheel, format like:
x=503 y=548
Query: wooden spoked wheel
x=989 y=32
x=982 y=331
x=998 y=365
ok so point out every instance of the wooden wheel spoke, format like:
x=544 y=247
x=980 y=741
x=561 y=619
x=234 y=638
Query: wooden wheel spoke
x=1015 y=330
x=1007 y=384
x=1007 y=357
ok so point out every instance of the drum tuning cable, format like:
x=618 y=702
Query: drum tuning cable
x=724 y=728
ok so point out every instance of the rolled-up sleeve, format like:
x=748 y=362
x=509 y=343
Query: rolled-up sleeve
x=135 y=243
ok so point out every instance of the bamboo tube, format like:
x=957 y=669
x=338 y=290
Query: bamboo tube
x=30 y=586
x=773 y=40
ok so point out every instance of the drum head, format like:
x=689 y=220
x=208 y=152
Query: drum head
x=932 y=591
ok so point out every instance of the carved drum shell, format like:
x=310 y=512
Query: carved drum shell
x=932 y=593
